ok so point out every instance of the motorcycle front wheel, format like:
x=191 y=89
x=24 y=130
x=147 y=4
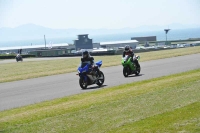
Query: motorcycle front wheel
x=126 y=71
x=101 y=79
x=82 y=83
x=138 y=71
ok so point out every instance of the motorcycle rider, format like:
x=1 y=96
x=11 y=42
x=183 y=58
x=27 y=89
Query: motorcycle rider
x=18 y=56
x=87 y=59
x=128 y=51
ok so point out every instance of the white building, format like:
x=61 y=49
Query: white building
x=119 y=44
x=26 y=49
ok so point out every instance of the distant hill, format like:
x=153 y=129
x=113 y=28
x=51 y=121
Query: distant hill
x=36 y=32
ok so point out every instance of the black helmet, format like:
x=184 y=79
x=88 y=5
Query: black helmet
x=127 y=47
x=85 y=54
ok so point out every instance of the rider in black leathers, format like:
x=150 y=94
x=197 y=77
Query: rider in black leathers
x=128 y=51
x=86 y=58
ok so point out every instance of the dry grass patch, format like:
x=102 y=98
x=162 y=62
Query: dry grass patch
x=33 y=69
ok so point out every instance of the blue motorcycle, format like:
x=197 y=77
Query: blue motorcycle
x=89 y=76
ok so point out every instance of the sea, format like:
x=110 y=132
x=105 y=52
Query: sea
x=176 y=34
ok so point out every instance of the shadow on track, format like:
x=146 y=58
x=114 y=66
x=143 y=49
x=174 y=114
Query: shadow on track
x=135 y=75
x=95 y=87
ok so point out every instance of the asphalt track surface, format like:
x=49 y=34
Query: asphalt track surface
x=26 y=92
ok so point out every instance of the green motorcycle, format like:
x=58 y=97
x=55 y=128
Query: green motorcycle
x=130 y=67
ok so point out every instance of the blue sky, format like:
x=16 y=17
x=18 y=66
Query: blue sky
x=95 y=14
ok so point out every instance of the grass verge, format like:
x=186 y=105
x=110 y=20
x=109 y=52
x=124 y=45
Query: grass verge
x=25 y=70
x=165 y=104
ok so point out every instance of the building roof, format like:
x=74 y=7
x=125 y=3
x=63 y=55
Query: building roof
x=143 y=36
x=44 y=50
x=34 y=46
x=118 y=42
x=83 y=35
x=183 y=42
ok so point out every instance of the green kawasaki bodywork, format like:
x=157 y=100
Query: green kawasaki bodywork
x=130 y=67
x=128 y=63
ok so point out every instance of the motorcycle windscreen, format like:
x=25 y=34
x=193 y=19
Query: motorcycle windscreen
x=84 y=69
x=126 y=59
x=83 y=64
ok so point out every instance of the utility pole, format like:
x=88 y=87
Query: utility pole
x=45 y=41
x=166 y=31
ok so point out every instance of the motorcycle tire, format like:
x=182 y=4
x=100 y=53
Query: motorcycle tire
x=138 y=71
x=126 y=71
x=101 y=79
x=82 y=83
